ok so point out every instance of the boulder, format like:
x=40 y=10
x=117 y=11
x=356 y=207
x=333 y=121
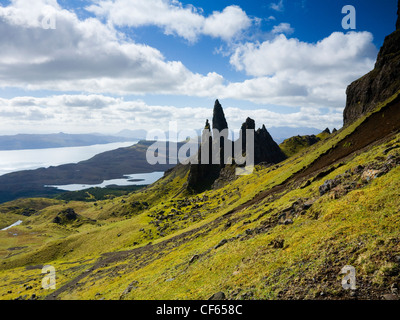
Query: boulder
x=218 y=296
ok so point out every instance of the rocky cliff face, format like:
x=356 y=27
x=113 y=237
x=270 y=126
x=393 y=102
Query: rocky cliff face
x=203 y=176
x=378 y=85
x=398 y=16
x=218 y=120
x=265 y=148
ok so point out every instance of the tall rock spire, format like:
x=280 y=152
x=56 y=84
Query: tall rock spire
x=218 y=120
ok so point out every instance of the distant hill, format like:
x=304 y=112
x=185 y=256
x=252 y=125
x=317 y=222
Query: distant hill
x=108 y=165
x=295 y=144
x=281 y=133
x=56 y=140
x=294 y=230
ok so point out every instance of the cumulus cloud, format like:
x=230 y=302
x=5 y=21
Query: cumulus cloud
x=90 y=113
x=283 y=28
x=277 y=6
x=226 y=24
x=84 y=55
x=289 y=71
x=174 y=18
x=93 y=57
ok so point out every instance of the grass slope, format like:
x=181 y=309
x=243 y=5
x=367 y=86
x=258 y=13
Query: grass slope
x=270 y=235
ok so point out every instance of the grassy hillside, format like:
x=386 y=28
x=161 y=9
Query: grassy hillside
x=295 y=144
x=283 y=232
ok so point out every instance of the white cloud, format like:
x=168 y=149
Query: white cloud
x=295 y=73
x=283 y=28
x=277 y=6
x=226 y=24
x=174 y=18
x=92 y=57
x=90 y=113
x=84 y=55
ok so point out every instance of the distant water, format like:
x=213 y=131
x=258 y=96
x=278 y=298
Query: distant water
x=13 y=225
x=131 y=179
x=17 y=160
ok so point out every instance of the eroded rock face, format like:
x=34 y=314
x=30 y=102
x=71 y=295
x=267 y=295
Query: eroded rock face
x=202 y=176
x=266 y=149
x=66 y=216
x=398 y=16
x=381 y=83
x=218 y=120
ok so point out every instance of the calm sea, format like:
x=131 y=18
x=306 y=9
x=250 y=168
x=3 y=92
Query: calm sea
x=17 y=160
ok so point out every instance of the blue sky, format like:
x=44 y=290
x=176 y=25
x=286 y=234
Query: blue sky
x=118 y=64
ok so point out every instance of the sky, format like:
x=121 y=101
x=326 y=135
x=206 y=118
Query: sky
x=106 y=65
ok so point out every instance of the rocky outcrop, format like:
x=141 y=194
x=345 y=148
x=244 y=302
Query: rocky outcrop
x=206 y=175
x=218 y=120
x=65 y=216
x=398 y=16
x=381 y=83
x=265 y=148
x=201 y=176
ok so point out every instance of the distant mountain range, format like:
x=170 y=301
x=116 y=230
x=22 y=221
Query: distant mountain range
x=279 y=134
x=57 y=140
x=61 y=140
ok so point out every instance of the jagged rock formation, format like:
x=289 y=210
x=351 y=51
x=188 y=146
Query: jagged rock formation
x=203 y=176
x=265 y=148
x=382 y=82
x=326 y=131
x=218 y=120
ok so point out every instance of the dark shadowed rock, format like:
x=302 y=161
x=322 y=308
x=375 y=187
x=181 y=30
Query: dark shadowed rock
x=219 y=121
x=327 y=131
x=277 y=243
x=265 y=148
x=65 y=216
x=249 y=124
x=364 y=94
x=203 y=176
x=132 y=286
x=221 y=243
x=218 y=296
x=194 y=258
x=327 y=186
